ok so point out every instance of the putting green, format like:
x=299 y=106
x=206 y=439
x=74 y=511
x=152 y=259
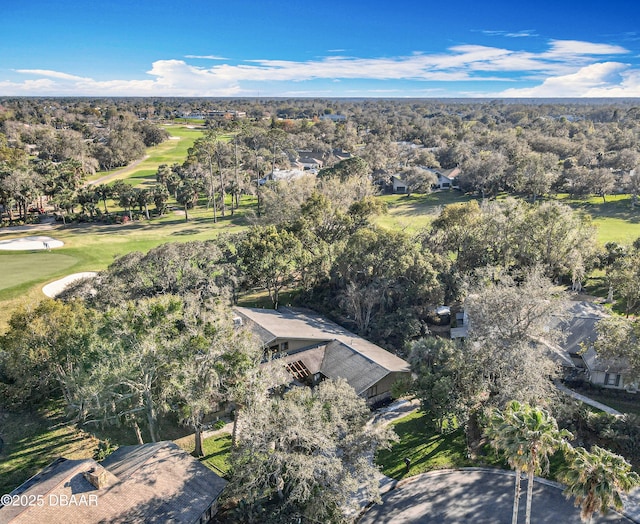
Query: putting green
x=17 y=269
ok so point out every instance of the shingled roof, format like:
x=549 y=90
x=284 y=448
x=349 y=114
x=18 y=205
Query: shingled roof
x=332 y=350
x=293 y=323
x=151 y=483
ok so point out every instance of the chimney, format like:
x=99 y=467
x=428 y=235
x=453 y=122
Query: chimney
x=97 y=476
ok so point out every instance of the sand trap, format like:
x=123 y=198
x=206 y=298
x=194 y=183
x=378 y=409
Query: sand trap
x=174 y=138
x=53 y=289
x=30 y=243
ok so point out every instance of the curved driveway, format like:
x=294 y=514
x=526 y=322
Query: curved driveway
x=478 y=496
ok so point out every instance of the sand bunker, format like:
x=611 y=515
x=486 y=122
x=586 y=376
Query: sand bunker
x=30 y=243
x=53 y=289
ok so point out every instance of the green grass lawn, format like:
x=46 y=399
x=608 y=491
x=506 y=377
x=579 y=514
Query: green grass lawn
x=216 y=451
x=34 y=439
x=415 y=212
x=168 y=152
x=22 y=270
x=615 y=219
x=427 y=449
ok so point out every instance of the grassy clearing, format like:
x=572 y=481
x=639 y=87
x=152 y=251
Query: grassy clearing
x=427 y=449
x=415 y=212
x=33 y=440
x=216 y=453
x=617 y=221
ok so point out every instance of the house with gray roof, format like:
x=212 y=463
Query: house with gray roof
x=578 y=327
x=149 y=483
x=313 y=348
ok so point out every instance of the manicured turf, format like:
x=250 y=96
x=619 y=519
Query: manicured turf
x=427 y=449
x=616 y=220
x=169 y=152
x=20 y=269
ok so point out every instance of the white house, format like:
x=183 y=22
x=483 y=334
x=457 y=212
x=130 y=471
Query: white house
x=398 y=185
x=283 y=174
x=447 y=178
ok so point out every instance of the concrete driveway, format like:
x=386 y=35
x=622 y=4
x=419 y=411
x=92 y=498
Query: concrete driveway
x=474 y=495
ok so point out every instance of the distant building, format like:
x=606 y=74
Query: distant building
x=151 y=483
x=203 y=115
x=313 y=348
x=398 y=185
x=334 y=118
x=283 y=174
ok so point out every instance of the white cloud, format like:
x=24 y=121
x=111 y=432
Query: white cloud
x=566 y=68
x=52 y=74
x=207 y=57
x=607 y=79
x=511 y=34
x=572 y=48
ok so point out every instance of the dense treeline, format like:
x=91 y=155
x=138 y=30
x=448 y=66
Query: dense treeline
x=525 y=149
x=48 y=151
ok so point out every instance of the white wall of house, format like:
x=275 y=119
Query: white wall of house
x=399 y=186
x=608 y=380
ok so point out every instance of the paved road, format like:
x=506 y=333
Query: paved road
x=480 y=496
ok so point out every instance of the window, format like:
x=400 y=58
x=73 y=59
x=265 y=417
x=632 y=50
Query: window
x=372 y=391
x=611 y=379
x=284 y=346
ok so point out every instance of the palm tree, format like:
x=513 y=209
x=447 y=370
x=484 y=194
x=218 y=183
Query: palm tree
x=505 y=437
x=527 y=435
x=544 y=438
x=104 y=193
x=597 y=480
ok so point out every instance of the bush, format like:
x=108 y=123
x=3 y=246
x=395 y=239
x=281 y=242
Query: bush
x=104 y=449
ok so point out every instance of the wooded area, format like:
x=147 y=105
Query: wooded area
x=153 y=335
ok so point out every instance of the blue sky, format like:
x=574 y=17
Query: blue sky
x=315 y=48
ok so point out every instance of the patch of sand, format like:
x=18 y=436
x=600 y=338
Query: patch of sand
x=30 y=243
x=53 y=289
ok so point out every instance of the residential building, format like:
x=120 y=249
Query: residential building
x=150 y=483
x=447 y=178
x=578 y=329
x=282 y=174
x=398 y=185
x=313 y=348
